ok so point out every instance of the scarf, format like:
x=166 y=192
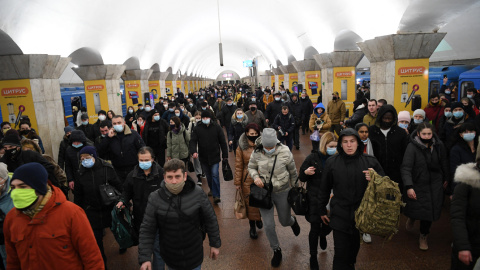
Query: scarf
x=33 y=212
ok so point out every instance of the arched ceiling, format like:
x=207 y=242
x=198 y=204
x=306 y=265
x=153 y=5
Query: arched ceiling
x=183 y=35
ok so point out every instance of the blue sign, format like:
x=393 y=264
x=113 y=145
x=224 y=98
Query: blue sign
x=248 y=63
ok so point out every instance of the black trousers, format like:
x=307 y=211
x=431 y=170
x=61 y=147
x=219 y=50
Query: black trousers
x=346 y=249
x=305 y=127
x=317 y=230
x=122 y=172
x=160 y=155
x=425 y=226
x=98 y=233
x=296 y=136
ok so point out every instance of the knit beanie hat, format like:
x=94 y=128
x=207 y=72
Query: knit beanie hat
x=3 y=170
x=269 y=137
x=11 y=139
x=34 y=175
x=206 y=113
x=68 y=129
x=419 y=112
x=89 y=150
x=404 y=116
x=457 y=104
x=78 y=136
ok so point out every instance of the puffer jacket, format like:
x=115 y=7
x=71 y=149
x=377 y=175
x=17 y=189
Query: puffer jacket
x=273 y=109
x=87 y=192
x=241 y=177
x=72 y=157
x=177 y=144
x=179 y=236
x=336 y=111
x=285 y=172
x=324 y=117
x=61 y=151
x=357 y=116
x=344 y=174
x=465 y=209
x=425 y=170
x=287 y=124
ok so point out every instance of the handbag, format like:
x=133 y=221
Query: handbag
x=190 y=166
x=297 y=199
x=262 y=197
x=108 y=193
x=227 y=171
x=240 y=208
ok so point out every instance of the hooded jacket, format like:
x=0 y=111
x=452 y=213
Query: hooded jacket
x=307 y=107
x=344 y=174
x=72 y=157
x=327 y=122
x=389 y=149
x=465 y=208
x=357 y=116
x=237 y=128
x=62 y=150
x=177 y=144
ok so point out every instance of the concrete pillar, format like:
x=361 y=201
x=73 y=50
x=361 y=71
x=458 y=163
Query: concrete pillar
x=136 y=80
x=309 y=71
x=108 y=75
x=30 y=83
x=163 y=77
x=390 y=56
x=336 y=62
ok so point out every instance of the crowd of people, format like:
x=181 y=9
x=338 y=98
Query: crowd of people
x=146 y=154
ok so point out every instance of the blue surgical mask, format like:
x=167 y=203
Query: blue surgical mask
x=206 y=121
x=229 y=104
x=156 y=118
x=269 y=152
x=130 y=111
x=365 y=141
x=204 y=108
x=84 y=123
x=171 y=109
x=468 y=137
x=418 y=121
x=78 y=145
x=254 y=99
x=448 y=114
x=118 y=128
x=448 y=91
x=331 y=151
x=88 y=163
x=458 y=114
x=191 y=104
x=239 y=116
x=145 y=165
x=147 y=109
x=404 y=126
x=469 y=96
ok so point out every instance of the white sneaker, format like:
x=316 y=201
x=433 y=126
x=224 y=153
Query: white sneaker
x=367 y=238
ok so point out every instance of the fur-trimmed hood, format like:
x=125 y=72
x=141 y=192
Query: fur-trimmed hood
x=243 y=142
x=468 y=174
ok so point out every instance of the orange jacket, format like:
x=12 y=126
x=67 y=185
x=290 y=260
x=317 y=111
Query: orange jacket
x=59 y=237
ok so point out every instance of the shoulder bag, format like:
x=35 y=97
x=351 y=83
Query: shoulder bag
x=297 y=199
x=109 y=194
x=262 y=197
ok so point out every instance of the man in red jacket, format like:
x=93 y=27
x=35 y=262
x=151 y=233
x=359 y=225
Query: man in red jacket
x=435 y=109
x=45 y=231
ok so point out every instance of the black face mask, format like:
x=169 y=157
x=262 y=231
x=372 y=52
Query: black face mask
x=426 y=141
x=334 y=98
x=386 y=125
x=253 y=109
x=435 y=103
x=24 y=132
x=10 y=153
x=252 y=138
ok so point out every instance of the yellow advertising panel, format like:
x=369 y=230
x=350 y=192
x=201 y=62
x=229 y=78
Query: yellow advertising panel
x=344 y=84
x=192 y=89
x=411 y=78
x=178 y=86
x=96 y=98
x=133 y=94
x=272 y=80
x=154 y=89
x=281 y=78
x=293 y=82
x=185 y=85
x=313 y=85
x=168 y=88
x=17 y=101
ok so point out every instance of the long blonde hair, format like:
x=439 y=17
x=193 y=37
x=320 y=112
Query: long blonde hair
x=327 y=138
x=234 y=115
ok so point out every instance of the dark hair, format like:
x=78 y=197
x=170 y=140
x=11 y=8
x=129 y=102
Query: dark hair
x=285 y=108
x=472 y=90
x=423 y=126
x=105 y=123
x=141 y=116
x=359 y=125
x=25 y=123
x=83 y=109
x=113 y=114
x=252 y=126
x=171 y=105
x=4 y=124
x=434 y=95
x=373 y=100
x=466 y=126
x=383 y=101
x=176 y=120
x=174 y=165
x=139 y=104
x=145 y=150
x=117 y=116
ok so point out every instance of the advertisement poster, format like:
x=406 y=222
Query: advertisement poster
x=411 y=78
x=281 y=79
x=191 y=88
x=293 y=82
x=272 y=80
x=96 y=98
x=154 y=89
x=133 y=94
x=17 y=101
x=313 y=85
x=344 y=84
x=185 y=86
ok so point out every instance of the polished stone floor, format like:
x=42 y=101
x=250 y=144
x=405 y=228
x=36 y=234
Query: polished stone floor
x=238 y=251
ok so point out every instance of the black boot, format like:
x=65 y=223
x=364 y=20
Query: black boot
x=323 y=242
x=253 y=230
x=295 y=227
x=259 y=224
x=277 y=257
x=314 y=262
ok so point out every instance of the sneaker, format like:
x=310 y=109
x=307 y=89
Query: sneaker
x=367 y=238
x=210 y=193
x=295 y=227
x=277 y=257
x=216 y=200
x=409 y=225
x=314 y=262
x=323 y=242
x=423 y=244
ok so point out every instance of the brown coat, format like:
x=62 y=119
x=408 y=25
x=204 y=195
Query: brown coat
x=326 y=119
x=244 y=151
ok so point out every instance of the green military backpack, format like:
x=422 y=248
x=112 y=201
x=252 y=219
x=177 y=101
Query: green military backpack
x=379 y=211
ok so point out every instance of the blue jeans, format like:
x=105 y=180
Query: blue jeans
x=196 y=268
x=213 y=178
x=157 y=263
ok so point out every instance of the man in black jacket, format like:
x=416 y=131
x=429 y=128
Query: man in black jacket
x=298 y=112
x=155 y=135
x=72 y=156
x=209 y=138
x=122 y=144
x=225 y=117
x=274 y=108
x=181 y=213
x=63 y=146
x=284 y=124
x=87 y=128
x=307 y=109
x=346 y=173
x=102 y=116
x=104 y=127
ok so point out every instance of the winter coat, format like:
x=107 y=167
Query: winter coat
x=369 y=119
x=285 y=172
x=6 y=204
x=324 y=117
x=465 y=208
x=450 y=126
x=72 y=156
x=87 y=192
x=59 y=237
x=123 y=147
x=357 y=116
x=287 y=124
x=412 y=127
x=167 y=115
x=59 y=173
x=225 y=115
x=209 y=140
x=389 y=150
x=257 y=118
x=177 y=144
x=307 y=107
x=237 y=128
x=155 y=134
x=61 y=151
x=425 y=170
x=317 y=160
x=336 y=111
x=344 y=174
x=137 y=187
x=217 y=108
x=267 y=100
x=273 y=109
x=435 y=113
x=460 y=154
x=242 y=178
x=298 y=111
x=181 y=238
x=127 y=121
x=88 y=130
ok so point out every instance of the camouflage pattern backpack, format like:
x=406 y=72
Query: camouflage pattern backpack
x=379 y=211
